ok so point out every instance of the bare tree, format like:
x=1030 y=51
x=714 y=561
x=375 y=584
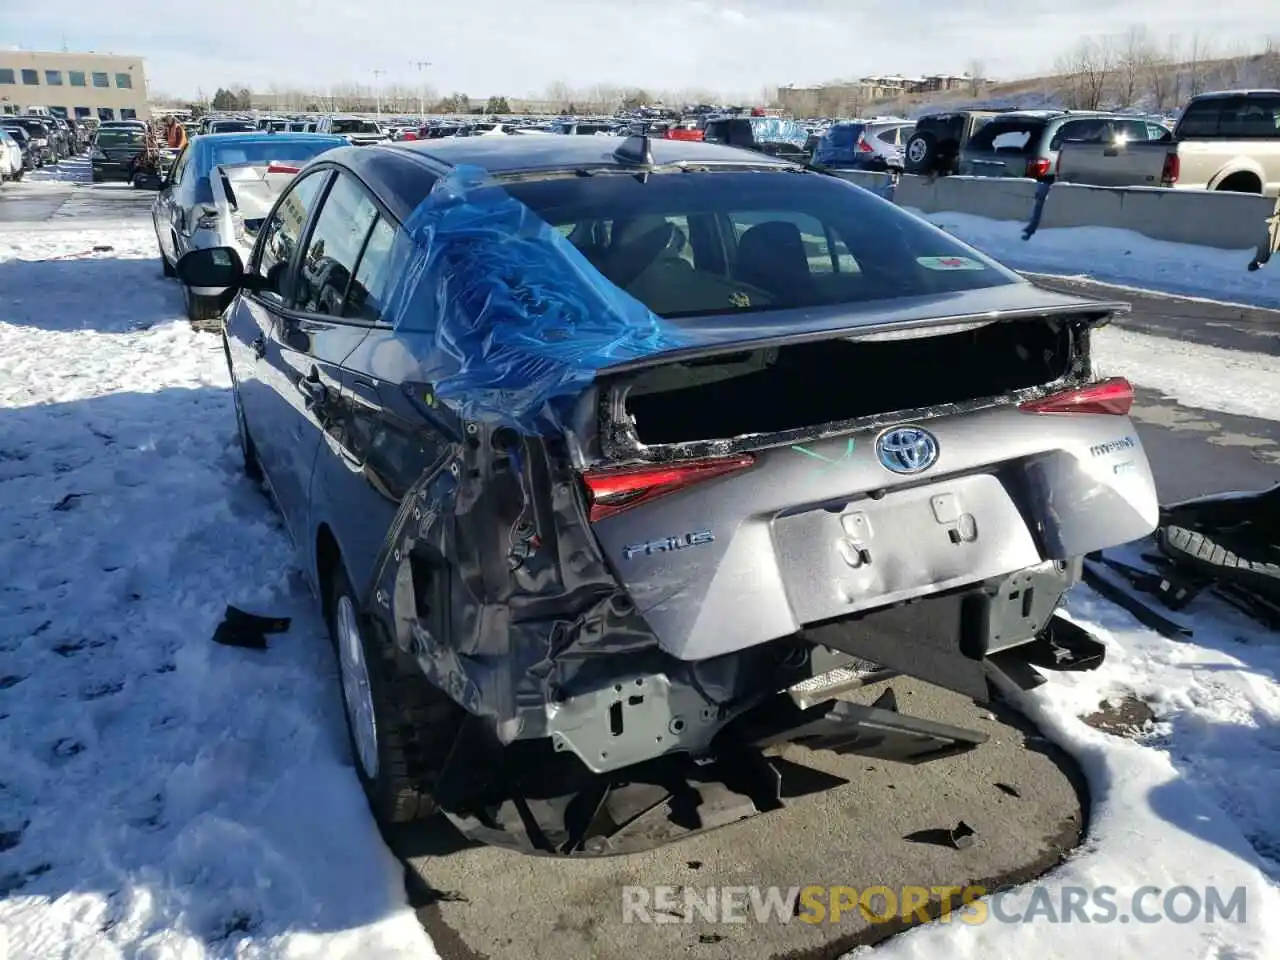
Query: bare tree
x=1269 y=63
x=1159 y=74
x=559 y=95
x=977 y=72
x=1086 y=71
x=1135 y=53
x=1199 y=53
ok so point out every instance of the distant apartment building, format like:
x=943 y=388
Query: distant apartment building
x=848 y=97
x=99 y=85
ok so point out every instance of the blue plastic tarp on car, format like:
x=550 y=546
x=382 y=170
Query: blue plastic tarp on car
x=777 y=130
x=513 y=320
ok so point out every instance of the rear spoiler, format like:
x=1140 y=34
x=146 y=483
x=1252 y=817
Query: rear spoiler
x=1095 y=312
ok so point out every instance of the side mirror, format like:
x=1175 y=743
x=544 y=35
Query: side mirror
x=211 y=270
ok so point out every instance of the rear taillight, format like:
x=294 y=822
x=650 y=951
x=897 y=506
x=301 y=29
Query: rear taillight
x=1038 y=168
x=864 y=147
x=1113 y=397
x=1169 y=172
x=275 y=166
x=612 y=491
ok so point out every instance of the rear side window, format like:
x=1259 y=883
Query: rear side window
x=707 y=243
x=1131 y=130
x=367 y=298
x=333 y=248
x=1008 y=136
x=1226 y=118
x=1081 y=131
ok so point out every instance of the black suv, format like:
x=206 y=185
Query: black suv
x=933 y=150
x=753 y=133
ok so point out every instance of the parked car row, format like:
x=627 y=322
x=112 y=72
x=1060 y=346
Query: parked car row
x=32 y=141
x=217 y=191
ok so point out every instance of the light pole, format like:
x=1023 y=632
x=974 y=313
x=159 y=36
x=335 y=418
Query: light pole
x=377 y=82
x=421 y=65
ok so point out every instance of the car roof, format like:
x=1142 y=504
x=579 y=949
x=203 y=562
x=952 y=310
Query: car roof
x=1216 y=94
x=515 y=153
x=401 y=174
x=262 y=136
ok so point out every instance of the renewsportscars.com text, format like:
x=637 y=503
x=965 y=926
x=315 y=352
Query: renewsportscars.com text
x=971 y=905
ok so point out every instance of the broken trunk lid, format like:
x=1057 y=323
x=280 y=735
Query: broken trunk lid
x=834 y=375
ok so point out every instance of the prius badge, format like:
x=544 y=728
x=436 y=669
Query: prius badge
x=666 y=544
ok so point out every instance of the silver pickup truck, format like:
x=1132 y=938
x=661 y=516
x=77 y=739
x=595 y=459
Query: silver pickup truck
x=1223 y=141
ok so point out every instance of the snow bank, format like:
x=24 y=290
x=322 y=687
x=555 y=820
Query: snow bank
x=1120 y=256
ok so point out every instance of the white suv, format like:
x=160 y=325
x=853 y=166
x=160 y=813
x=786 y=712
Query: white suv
x=358 y=130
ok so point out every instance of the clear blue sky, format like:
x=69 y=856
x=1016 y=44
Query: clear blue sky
x=519 y=47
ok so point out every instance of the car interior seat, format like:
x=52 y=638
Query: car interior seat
x=771 y=256
x=636 y=243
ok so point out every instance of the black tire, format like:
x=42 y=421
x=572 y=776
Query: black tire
x=202 y=311
x=920 y=155
x=414 y=722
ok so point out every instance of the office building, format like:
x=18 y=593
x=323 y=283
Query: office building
x=99 y=85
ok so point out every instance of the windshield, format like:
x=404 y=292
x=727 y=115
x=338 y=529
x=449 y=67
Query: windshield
x=120 y=137
x=355 y=126
x=232 y=126
x=706 y=243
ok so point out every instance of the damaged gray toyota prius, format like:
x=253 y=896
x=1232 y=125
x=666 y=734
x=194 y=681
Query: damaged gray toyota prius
x=615 y=462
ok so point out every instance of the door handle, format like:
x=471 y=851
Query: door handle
x=259 y=346
x=1111 y=152
x=311 y=388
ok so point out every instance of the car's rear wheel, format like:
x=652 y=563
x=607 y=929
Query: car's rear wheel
x=399 y=725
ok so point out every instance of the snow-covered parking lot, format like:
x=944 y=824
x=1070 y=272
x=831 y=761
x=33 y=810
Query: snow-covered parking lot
x=165 y=797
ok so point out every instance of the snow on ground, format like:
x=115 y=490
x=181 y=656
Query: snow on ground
x=160 y=796
x=1196 y=375
x=1192 y=803
x=1123 y=257
x=73 y=170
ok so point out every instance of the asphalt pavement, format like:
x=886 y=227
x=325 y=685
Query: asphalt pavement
x=1023 y=798
x=886 y=827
